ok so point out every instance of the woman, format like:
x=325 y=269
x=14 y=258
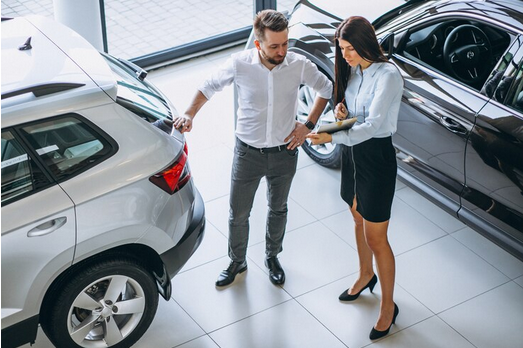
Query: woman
x=372 y=89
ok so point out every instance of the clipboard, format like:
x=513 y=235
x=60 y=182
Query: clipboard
x=337 y=126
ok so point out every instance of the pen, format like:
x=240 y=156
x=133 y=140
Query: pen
x=344 y=105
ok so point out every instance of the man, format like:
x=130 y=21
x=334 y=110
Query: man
x=267 y=80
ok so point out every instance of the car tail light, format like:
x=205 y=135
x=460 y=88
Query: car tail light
x=175 y=176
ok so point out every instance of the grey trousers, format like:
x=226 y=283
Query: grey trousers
x=249 y=166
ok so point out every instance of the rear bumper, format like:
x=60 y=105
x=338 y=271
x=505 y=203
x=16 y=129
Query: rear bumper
x=20 y=333
x=176 y=257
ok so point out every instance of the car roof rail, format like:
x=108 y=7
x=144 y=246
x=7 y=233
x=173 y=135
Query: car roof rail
x=43 y=89
x=6 y=18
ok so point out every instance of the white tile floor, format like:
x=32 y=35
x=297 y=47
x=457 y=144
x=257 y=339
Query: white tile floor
x=453 y=287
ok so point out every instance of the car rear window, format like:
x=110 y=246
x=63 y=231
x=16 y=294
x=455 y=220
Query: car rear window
x=68 y=145
x=138 y=96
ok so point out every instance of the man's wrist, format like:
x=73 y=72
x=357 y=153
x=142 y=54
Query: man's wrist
x=309 y=124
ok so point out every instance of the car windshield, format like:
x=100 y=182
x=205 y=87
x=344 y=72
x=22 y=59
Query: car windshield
x=136 y=95
x=412 y=9
x=371 y=9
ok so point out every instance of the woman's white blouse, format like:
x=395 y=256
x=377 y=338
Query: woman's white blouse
x=373 y=96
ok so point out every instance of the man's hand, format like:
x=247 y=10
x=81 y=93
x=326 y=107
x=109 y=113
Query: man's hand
x=297 y=136
x=183 y=123
x=319 y=138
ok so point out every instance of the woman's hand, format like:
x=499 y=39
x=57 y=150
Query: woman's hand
x=319 y=138
x=341 y=112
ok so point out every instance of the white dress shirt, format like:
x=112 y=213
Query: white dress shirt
x=373 y=96
x=267 y=99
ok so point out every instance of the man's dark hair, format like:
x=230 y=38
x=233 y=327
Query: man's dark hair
x=269 y=19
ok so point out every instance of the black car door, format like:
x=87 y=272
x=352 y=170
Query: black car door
x=438 y=110
x=493 y=195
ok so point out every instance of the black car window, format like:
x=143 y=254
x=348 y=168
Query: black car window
x=501 y=78
x=137 y=95
x=490 y=86
x=514 y=89
x=464 y=50
x=505 y=83
x=68 y=145
x=20 y=174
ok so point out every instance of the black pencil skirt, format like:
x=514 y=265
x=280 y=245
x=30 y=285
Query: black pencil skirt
x=368 y=170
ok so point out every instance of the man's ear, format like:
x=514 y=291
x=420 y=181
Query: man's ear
x=257 y=44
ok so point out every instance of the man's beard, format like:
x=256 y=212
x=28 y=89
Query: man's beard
x=273 y=61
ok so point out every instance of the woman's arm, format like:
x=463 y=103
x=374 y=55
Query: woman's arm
x=319 y=138
x=382 y=111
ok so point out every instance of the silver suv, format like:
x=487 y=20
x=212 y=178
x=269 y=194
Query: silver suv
x=99 y=210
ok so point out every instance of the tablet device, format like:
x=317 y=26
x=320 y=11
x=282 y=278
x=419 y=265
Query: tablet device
x=337 y=126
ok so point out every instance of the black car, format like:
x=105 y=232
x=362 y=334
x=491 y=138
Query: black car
x=460 y=131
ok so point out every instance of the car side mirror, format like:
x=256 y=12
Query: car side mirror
x=387 y=45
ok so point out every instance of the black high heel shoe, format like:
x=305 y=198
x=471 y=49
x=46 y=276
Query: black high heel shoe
x=375 y=334
x=345 y=296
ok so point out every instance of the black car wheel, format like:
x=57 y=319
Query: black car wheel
x=108 y=304
x=327 y=155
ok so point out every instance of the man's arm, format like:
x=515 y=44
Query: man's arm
x=315 y=79
x=317 y=109
x=216 y=82
x=184 y=123
x=298 y=135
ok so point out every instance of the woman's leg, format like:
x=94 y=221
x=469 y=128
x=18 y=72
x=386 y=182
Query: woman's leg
x=364 y=253
x=376 y=237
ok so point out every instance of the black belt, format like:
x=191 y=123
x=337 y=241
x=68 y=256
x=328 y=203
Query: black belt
x=263 y=149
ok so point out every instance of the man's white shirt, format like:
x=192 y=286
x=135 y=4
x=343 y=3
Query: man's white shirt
x=267 y=99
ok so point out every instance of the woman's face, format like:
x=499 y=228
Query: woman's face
x=350 y=55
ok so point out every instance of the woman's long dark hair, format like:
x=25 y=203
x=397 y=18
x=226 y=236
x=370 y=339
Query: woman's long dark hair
x=360 y=33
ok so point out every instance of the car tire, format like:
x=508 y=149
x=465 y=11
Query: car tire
x=115 y=300
x=327 y=155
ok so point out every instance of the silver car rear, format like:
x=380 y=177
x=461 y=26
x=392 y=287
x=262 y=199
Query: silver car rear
x=99 y=208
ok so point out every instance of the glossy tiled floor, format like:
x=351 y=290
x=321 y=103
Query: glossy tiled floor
x=453 y=287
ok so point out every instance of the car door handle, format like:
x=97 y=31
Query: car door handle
x=47 y=227
x=452 y=125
